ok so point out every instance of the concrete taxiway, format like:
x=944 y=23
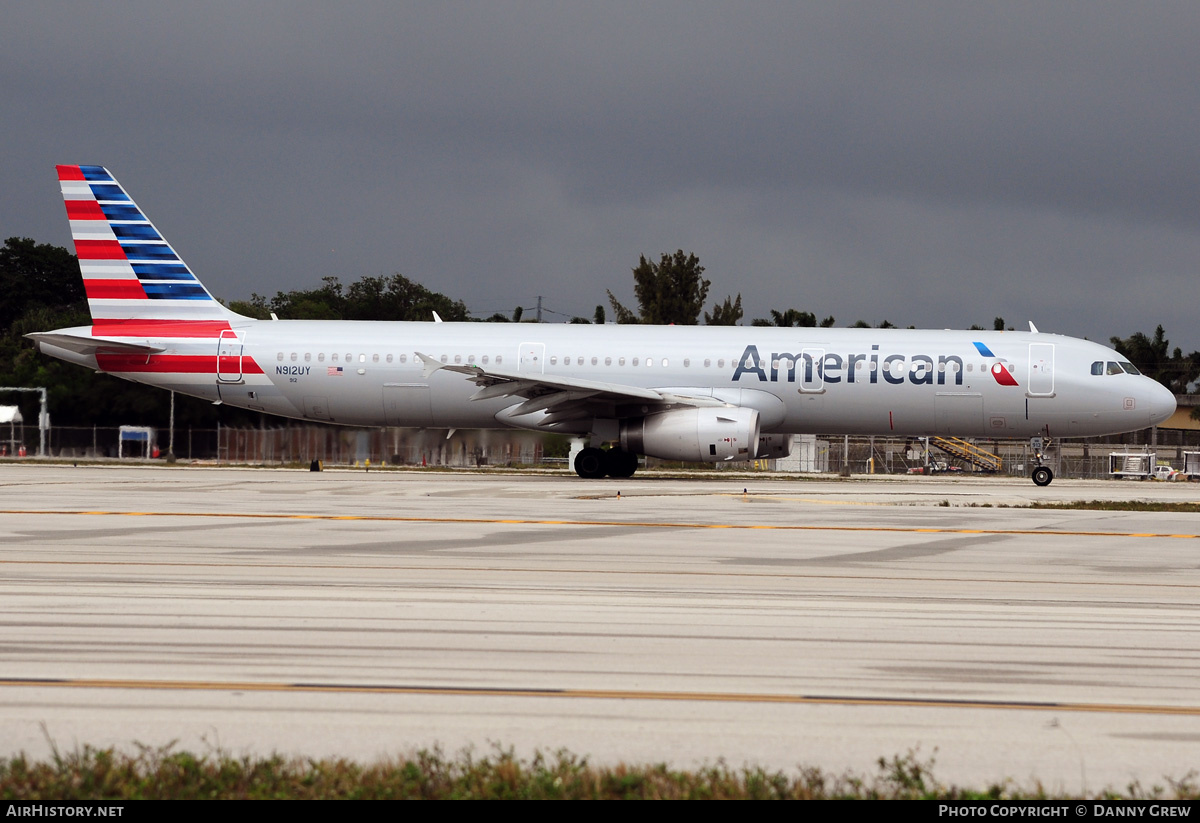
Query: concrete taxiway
x=805 y=622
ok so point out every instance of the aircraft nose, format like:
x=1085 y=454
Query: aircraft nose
x=1161 y=402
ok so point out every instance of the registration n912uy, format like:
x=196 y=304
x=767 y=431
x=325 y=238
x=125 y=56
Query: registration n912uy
x=690 y=393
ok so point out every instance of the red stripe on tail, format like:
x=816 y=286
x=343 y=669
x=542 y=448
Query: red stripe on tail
x=99 y=250
x=114 y=289
x=159 y=328
x=69 y=173
x=84 y=210
x=169 y=363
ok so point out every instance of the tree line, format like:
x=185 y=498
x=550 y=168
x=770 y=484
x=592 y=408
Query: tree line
x=42 y=290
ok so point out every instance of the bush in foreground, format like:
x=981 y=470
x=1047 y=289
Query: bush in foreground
x=94 y=774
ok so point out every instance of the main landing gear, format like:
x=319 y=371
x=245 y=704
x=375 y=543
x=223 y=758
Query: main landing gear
x=596 y=463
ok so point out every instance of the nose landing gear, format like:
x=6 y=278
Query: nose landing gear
x=1041 y=475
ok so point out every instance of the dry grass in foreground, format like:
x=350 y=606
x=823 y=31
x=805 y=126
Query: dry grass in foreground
x=104 y=774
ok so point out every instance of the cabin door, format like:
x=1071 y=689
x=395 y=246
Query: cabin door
x=1041 y=370
x=229 y=356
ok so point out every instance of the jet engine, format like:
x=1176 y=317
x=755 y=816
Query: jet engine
x=694 y=435
x=773 y=446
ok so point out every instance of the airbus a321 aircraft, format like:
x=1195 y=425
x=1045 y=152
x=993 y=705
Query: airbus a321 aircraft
x=691 y=393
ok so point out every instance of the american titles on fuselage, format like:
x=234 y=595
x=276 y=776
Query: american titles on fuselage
x=820 y=366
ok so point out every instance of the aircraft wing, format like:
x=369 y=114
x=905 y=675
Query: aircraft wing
x=566 y=399
x=87 y=344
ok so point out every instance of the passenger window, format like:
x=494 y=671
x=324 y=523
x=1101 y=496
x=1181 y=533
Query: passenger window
x=721 y=363
x=293 y=357
x=484 y=359
x=620 y=361
x=649 y=361
x=608 y=361
x=458 y=358
x=333 y=357
x=403 y=358
x=279 y=357
x=553 y=361
x=374 y=358
x=499 y=359
x=321 y=357
x=635 y=361
x=707 y=363
x=389 y=358
x=665 y=363
x=686 y=362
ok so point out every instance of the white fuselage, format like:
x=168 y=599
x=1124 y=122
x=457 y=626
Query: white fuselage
x=800 y=380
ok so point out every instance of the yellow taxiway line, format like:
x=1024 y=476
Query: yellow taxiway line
x=613 y=523
x=596 y=694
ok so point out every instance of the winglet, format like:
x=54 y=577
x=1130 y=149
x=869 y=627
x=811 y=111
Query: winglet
x=1033 y=328
x=431 y=364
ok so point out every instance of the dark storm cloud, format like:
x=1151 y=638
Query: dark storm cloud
x=928 y=163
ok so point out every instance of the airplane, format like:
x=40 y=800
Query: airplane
x=688 y=393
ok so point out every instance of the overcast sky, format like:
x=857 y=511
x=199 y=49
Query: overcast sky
x=935 y=164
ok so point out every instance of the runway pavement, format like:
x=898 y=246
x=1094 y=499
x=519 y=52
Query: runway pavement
x=798 y=622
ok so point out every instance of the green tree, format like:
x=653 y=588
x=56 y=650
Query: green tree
x=790 y=318
x=398 y=298
x=36 y=275
x=370 y=298
x=1155 y=358
x=669 y=291
x=725 y=314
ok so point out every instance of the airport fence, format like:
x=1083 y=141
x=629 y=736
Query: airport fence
x=301 y=444
x=284 y=445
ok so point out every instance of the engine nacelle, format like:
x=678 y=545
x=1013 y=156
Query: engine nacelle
x=694 y=435
x=773 y=446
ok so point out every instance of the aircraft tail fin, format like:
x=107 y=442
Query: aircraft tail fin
x=129 y=271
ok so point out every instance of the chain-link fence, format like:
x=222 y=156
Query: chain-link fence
x=301 y=444
x=285 y=445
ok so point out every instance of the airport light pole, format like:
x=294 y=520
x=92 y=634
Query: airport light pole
x=171 y=436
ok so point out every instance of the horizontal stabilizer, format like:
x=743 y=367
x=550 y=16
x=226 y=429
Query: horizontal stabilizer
x=86 y=344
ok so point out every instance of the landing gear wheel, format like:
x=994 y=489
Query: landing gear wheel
x=590 y=464
x=1042 y=476
x=622 y=463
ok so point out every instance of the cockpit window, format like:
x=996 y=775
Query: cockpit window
x=1098 y=367
x=1112 y=368
x=1129 y=368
